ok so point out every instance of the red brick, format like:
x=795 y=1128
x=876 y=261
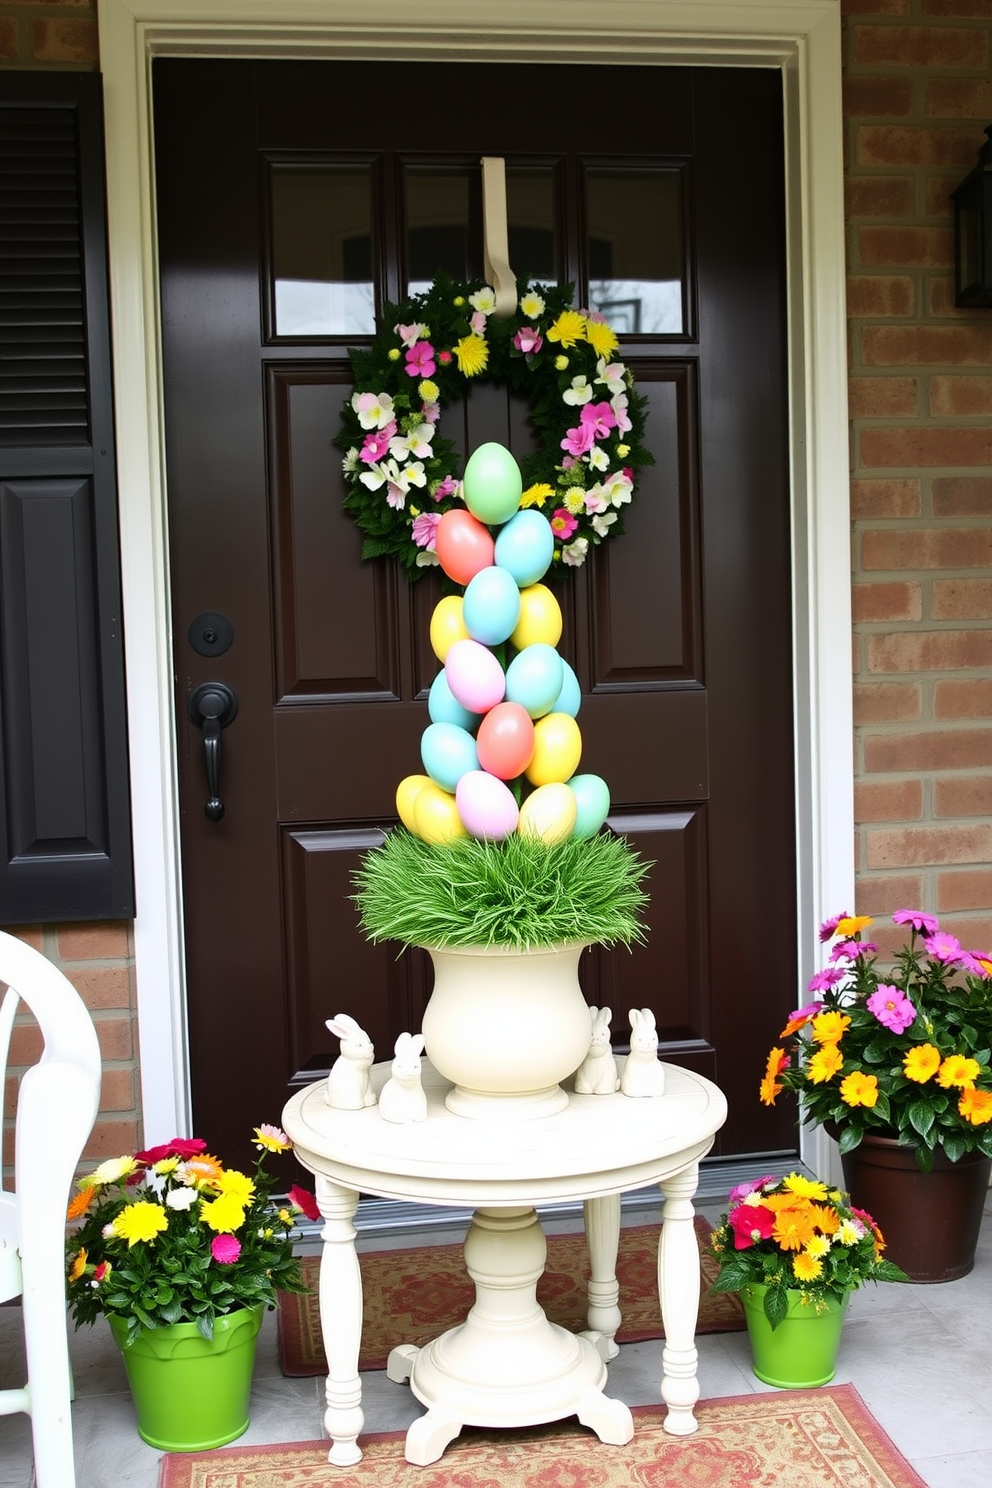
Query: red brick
x=930 y=651
x=880 y=294
x=964 y=795
x=930 y=446
x=117 y=1090
x=943 y=346
x=877 y=97
x=962 y=496
x=960 y=47
x=100 y=940
x=885 y=498
x=103 y=986
x=953 y=749
x=887 y=702
x=879 y=196
x=967 y=889
x=887 y=602
x=876 y=896
x=906 y=247
x=954 y=697
x=65 y=41
x=891 y=801
x=959 y=98
x=111 y=1138
x=8 y=39
x=116 y=1037
x=957 y=7
x=962 y=599
x=937 y=193
x=933 y=547
x=26 y=1044
x=32 y=935
x=960 y=396
x=914 y=847
x=975 y=932
x=882 y=397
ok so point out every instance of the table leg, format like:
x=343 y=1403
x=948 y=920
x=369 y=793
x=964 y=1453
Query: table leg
x=602 y=1221
x=678 y=1289
x=340 y=1296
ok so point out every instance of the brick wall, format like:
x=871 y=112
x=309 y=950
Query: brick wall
x=917 y=95
x=48 y=33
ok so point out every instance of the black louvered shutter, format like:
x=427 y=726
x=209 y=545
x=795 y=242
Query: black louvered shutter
x=65 y=830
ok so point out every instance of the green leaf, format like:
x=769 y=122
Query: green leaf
x=921 y=1117
x=735 y=1273
x=776 y=1305
x=850 y=1137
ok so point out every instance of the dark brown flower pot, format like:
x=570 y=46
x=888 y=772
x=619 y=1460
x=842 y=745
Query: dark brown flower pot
x=930 y=1221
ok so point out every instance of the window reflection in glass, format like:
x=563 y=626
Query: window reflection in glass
x=444 y=224
x=322 y=250
x=634 y=247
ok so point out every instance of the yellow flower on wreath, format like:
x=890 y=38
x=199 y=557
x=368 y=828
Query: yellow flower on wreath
x=824 y=1064
x=568 y=328
x=958 y=1070
x=859 y=1090
x=601 y=337
x=921 y=1063
x=536 y=495
x=976 y=1106
x=141 y=1221
x=473 y=355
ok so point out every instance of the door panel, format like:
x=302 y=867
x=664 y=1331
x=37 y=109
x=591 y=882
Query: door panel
x=679 y=632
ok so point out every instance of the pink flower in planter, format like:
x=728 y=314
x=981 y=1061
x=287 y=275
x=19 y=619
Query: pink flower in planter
x=225 y=1249
x=750 y=1223
x=891 y=1007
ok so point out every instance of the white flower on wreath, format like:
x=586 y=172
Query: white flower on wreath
x=417 y=442
x=411 y=334
x=612 y=376
x=483 y=300
x=575 y=554
x=597 y=458
x=531 y=305
x=375 y=410
x=398 y=482
x=349 y=464
x=619 y=405
x=574 y=500
x=603 y=521
x=618 y=489
x=580 y=392
x=596 y=499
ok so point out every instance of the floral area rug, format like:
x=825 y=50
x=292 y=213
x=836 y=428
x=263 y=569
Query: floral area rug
x=822 y=1438
x=411 y=1296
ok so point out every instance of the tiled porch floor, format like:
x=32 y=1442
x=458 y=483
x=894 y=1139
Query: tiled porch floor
x=920 y=1356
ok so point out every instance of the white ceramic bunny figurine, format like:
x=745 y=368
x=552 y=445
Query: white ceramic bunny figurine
x=643 y=1073
x=597 y=1074
x=402 y=1097
x=348 y=1085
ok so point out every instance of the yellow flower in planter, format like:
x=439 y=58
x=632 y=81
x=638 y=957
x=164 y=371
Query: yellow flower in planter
x=922 y=1063
x=859 y=1090
x=224 y=1214
x=141 y=1221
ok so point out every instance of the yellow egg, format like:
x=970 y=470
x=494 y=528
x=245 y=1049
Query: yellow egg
x=557 y=749
x=406 y=794
x=540 y=618
x=549 y=813
x=447 y=625
x=436 y=816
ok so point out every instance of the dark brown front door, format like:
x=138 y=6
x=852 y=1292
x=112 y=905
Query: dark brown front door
x=630 y=186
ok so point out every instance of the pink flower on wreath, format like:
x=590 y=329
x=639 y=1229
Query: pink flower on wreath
x=917 y=919
x=420 y=360
x=225 y=1249
x=424 y=530
x=943 y=947
x=528 y=341
x=448 y=487
x=600 y=418
x=477 y=322
x=891 y=1007
x=375 y=446
x=563 y=524
x=580 y=439
x=444 y=357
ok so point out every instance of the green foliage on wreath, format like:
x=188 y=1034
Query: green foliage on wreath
x=402 y=473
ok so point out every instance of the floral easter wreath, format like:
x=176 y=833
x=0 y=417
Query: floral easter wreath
x=401 y=474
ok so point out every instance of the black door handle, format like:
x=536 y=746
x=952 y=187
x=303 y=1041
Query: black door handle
x=212 y=706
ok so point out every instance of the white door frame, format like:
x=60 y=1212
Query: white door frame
x=800 y=38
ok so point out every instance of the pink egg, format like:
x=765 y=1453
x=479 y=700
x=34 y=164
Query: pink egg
x=474 y=675
x=486 y=806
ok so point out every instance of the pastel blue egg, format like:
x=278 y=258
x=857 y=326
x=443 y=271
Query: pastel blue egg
x=525 y=547
x=491 y=606
x=534 y=678
x=444 y=707
x=592 y=797
x=448 y=753
x=569 y=700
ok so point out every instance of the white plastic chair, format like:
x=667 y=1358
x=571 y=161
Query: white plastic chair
x=56 y=1107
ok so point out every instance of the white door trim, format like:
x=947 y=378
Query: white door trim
x=801 y=38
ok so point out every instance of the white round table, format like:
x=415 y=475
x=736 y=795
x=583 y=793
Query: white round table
x=507 y=1365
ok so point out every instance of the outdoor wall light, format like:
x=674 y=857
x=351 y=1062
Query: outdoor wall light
x=973 y=233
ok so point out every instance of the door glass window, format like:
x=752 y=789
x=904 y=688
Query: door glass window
x=444 y=231
x=634 y=248
x=322 y=249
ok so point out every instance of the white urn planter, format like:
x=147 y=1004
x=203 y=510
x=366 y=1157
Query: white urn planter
x=506 y=1026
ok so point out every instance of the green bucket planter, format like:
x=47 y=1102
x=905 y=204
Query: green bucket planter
x=190 y=1392
x=802 y=1350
